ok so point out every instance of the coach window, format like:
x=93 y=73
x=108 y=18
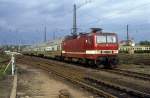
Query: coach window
x=52 y=48
x=147 y=48
x=58 y=47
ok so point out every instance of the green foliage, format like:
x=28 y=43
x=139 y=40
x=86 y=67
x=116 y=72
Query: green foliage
x=2 y=75
x=145 y=43
x=8 y=71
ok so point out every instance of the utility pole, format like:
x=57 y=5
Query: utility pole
x=45 y=29
x=74 y=21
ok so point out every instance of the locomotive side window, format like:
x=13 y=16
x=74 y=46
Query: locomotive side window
x=111 y=39
x=101 y=39
x=89 y=41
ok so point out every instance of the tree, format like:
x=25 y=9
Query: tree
x=144 y=42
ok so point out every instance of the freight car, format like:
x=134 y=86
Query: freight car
x=96 y=48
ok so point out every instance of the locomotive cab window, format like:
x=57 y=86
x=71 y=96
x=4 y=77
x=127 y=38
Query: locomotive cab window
x=101 y=39
x=106 y=39
x=111 y=39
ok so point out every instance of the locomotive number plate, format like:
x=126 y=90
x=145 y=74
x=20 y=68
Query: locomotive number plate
x=107 y=52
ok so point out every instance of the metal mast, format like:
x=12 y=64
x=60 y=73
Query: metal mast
x=45 y=34
x=74 y=29
x=74 y=21
x=127 y=33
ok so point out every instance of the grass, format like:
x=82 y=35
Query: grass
x=8 y=71
x=3 y=66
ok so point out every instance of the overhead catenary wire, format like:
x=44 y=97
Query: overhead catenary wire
x=129 y=10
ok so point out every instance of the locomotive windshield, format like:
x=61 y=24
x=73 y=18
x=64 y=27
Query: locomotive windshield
x=106 y=39
x=101 y=39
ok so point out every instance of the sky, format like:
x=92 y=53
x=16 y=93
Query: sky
x=23 y=21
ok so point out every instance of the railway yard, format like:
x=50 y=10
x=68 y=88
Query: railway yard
x=47 y=78
x=86 y=65
x=74 y=49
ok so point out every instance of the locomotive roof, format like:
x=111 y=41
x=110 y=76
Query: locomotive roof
x=96 y=29
x=69 y=37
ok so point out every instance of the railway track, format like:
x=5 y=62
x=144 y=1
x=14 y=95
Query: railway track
x=79 y=82
x=141 y=76
x=91 y=83
x=130 y=74
x=121 y=89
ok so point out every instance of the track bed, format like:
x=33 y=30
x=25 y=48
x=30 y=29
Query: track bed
x=79 y=73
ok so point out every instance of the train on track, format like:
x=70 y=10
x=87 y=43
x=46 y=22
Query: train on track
x=96 y=48
x=136 y=49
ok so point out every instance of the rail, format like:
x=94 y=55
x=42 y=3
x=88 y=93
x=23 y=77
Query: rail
x=134 y=93
x=130 y=74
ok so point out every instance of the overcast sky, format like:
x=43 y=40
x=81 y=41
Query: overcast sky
x=23 y=21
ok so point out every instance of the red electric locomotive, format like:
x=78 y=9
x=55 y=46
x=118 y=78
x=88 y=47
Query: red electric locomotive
x=96 y=48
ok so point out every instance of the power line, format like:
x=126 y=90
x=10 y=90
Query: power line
x=85 y=3
x=79 y=6
x=75 y=17
x=121 y=12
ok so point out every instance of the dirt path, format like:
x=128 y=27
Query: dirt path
x=35 y=83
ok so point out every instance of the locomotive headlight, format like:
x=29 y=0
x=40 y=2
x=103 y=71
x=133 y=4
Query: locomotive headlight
x=115 y=51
